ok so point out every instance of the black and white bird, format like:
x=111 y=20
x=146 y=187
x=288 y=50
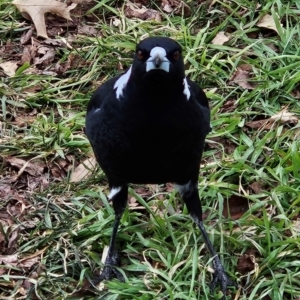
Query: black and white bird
x=149 y=125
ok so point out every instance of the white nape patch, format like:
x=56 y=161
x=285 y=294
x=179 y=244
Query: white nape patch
x=158 y=52
x=113 y=192
x=186 y=89
x=120 y=84
x=185 y=189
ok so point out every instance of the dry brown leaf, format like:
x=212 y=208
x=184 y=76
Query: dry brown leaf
x=267 y=21
x=35 y=10
x=166 y=7
x=22 y=165
x=84 y=170
x=26 y=56
x=46 y=59
x=9 y=67
x=258 y=124
x=235 y=207
x=5 y=190
x=26 y=36
x=256 y=187
x=12 y=241
x=246 y=263
x=229 y=106
x=81 y=1
x=284 y=117
x=242 y=77
x=133 y=10
x=220 y=38
x=177 y=7
x=9 y=259
x=87 y=30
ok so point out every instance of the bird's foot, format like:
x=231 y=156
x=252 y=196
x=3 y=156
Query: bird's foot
x=110 y=271
x=221 y=277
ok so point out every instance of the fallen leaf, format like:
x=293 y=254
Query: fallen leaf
x=5 y=190
x=242 y=77
x=229 y=106
x=133 y=10
x=84 y=170
x=26 y=36
x=13 y=260
x=176 y=7
x=143 y=2
x=43 y=50
x=285 y=117
x=57 y=42
x=220 y=38
x=222 y=144
x=166 y=7
x=257 y=124
x=12 y=242
x=81 y=1
x=22 y=165
x=247 y=262
x=87 y=30
x=9 y=259
x=46 y=59
x=26 y=56
x=256 y=187
x=9 y=67
x=35 y=10
x=267 y=21
x=235 y=207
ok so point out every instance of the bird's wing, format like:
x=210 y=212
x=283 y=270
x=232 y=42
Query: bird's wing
x=201 y=99
x=101 y=93
x=198 y=93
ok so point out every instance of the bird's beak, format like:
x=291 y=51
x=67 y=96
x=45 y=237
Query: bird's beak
x=158 y=60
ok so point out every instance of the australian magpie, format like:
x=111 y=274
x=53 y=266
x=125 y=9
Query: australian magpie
x=149 y=125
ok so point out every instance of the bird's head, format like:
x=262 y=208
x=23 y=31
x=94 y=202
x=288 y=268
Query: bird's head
x=158 y=60
x=157 y=68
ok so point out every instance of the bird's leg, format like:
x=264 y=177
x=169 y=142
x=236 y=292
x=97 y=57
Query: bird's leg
x=190 y=195
x=119 y=199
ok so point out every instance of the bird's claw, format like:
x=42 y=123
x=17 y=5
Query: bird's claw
x=222 y=278
x=110 y=271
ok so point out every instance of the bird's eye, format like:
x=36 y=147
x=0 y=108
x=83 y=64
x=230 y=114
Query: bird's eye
x=140 y=54
x=176 y=55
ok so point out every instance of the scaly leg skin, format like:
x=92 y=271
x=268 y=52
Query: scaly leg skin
x=109 y=271
x=190 y=195
x=220 y=276
x=119 y=198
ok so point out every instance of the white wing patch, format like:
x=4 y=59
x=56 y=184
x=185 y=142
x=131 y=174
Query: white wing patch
x=186 y=89
x=121 y=83
x=114 y=191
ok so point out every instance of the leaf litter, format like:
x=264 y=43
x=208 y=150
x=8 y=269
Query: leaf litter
x=35 y=10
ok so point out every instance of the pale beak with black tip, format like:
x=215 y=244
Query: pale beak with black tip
x=158 y=60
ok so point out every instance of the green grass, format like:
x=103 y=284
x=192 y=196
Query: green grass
x=163 y=254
